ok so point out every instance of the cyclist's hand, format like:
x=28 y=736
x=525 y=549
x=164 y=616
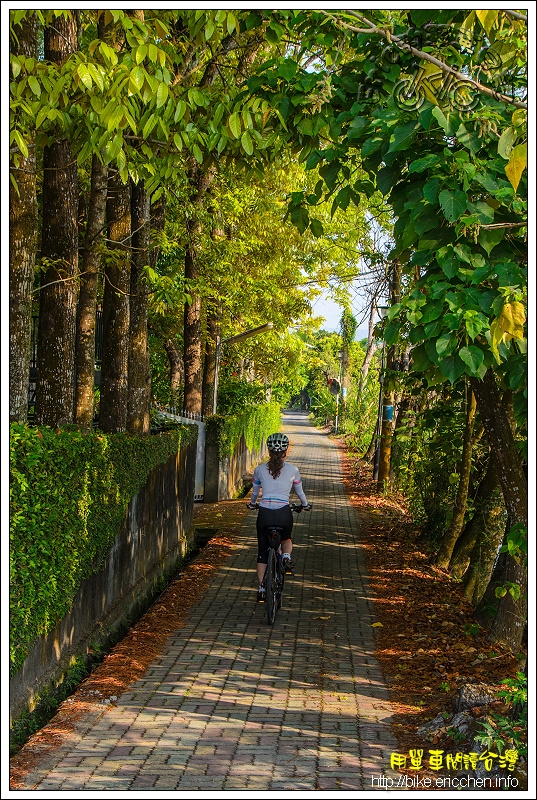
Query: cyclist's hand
x=251 y=505
x=307 y=508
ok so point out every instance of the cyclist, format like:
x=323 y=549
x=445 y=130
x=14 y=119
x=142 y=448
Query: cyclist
x=276 y=478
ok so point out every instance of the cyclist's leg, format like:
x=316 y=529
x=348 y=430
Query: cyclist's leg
x=287 y=542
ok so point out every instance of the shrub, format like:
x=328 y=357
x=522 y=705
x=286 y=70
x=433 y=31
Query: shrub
x=69 y=494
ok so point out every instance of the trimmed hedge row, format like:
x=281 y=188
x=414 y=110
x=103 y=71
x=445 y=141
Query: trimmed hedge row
x=255 y=424
x=69 y=494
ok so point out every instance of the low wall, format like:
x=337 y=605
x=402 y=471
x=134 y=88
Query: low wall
x=224 y=477
x=157 y=534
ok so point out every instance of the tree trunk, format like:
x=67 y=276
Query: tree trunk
x=387 y=429
x=485 y=552
x=59 y=244
x=87 y=299
x=370 y=351
x=502 y=443
x=488 y=506
x=199 y=182
x=139 y=393
x=505 y=616
x=510 y=620
x=22 y=248
x=457 y=521
x=176 y=368
x=209 y=367
x=114 y=383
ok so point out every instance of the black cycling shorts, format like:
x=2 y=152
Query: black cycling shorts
x=266 y=517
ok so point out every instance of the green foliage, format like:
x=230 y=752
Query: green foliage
x=427 y=449
x=235 y=394
x=68 y=498
x=510 y=730
x=517 y=544
x=254 y=424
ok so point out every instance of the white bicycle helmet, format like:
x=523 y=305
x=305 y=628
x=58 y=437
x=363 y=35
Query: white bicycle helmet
x=277 y=442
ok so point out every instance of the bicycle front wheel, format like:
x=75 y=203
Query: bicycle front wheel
x=271 y=585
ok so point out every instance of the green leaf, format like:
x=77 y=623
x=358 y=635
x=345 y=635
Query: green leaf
x=452 y=368
x=196 y=97
x=387 y=177
x=370 y=145
x=234 y=125
x=421 y=164
x=300 y=218
x=420 y=359
x=391 y=333
x=453 y=204
x=446 y=344
x=180 y=109
x=431 y=190
x=316 y=228
x=402 y=137
x=431 y=311
x=488 y=239
x=198 y=155
x=35 y=86
x=469 y=139
x=21 y=144
x=162 y=94
x=475 y=323
x=482 y=211
x=473 y=357
x=287 y=69
x=138 y=77
x=246 y=141
x=141 y=53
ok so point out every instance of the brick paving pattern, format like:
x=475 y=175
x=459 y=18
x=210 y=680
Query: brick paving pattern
x=233 y=704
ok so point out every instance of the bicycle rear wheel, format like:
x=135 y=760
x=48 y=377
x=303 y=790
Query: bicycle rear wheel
x=271 y=585
x=280 y=570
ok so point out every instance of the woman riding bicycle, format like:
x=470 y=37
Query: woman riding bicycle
x=276 y=479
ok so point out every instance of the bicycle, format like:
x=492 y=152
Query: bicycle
x=275 y=572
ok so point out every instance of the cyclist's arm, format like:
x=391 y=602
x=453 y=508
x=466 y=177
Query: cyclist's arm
x=256 y=488
x=299 y=491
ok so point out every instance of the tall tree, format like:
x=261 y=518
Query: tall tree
x=87 y=298
x=59 y=253
x=139 y=374
x=22 y=242
x=116 y=308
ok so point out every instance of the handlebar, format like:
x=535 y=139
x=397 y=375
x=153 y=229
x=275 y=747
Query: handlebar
x=293 y=506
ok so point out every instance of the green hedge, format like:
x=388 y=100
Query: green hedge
x=255 y=423
x=69 y=493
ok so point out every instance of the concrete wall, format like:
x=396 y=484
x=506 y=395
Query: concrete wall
x=157 y=534
x=225 y=478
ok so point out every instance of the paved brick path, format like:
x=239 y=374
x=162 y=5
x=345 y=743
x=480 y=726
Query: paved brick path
x=233 y=704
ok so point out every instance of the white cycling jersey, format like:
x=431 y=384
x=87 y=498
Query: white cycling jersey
x=276 y=491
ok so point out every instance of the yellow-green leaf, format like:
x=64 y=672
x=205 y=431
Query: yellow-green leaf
x=162 y=94
x=506 y=142
x=15 y=66
x=141 y=53
x=518 y=161
x=519 y=117
x=33 y=83
x=496 y=337
x=84 y=75
x=487 y=19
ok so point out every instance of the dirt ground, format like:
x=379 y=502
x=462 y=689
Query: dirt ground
x=425 y=646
